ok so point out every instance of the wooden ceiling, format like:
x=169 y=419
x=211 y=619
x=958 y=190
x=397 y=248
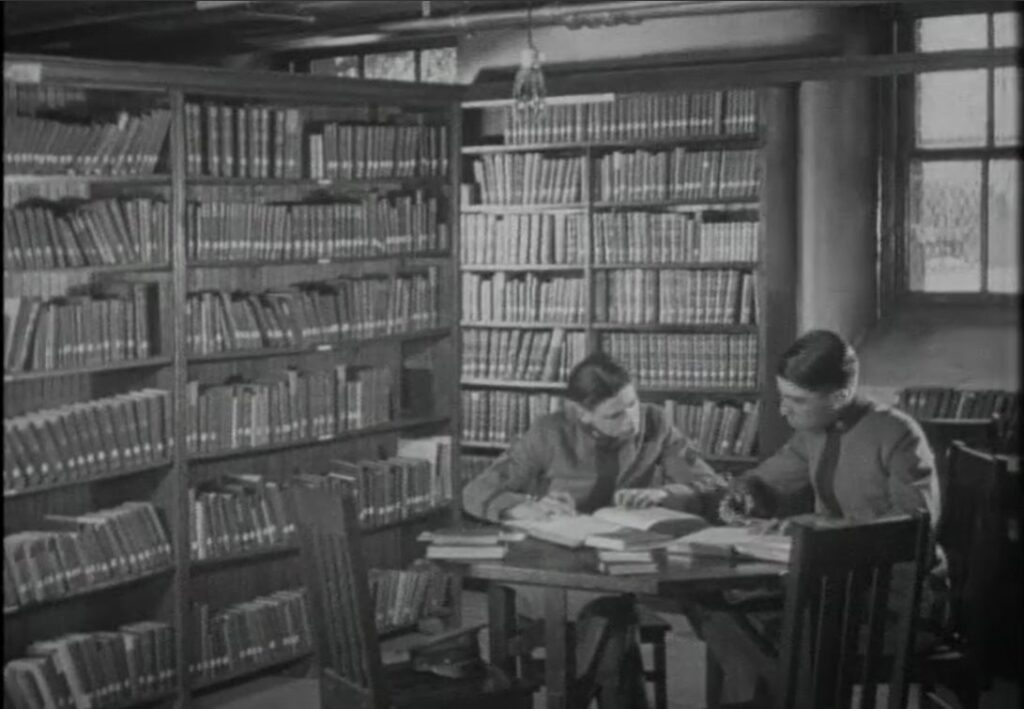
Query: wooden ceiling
x=197 y=32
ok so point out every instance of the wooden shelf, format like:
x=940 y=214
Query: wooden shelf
x=513 y=384
x=391 y=427
x=279 y=263
x=502 y=324
x=521 y=267
x=678 y=265
x=266 y=352
x=490 y=445
x=242 y=557
x=106 y=268
x=143 y=699
x=205 y=683
x=31 y=179
x=49 y=487
x=738 y=142
x=91 y=591
x=360 y=184
x=521 y=208
x=685 y=205
x=690 y=390
x=679 y=328
x=150 y=363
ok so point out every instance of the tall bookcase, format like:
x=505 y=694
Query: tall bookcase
x=658 y=227
x=216 y=283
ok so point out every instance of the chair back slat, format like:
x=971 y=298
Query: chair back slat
x=971 y=535
x=332 y=560
x=839 y=577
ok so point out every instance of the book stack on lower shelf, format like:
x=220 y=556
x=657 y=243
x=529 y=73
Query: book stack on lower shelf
x=124 y=667
x=261 y=631
x=717 y=428
x=521 y=355
x=499 y=417
x=407 y=598
x=238 y=515
x=469 y=544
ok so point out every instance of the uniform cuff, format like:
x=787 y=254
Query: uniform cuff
x=496 y=506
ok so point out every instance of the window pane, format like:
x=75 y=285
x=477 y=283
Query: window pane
x=347 y=66
x=945 y=226
x=951 y=108
x=1004 y=226
x=1006 y=82
x=438 y=65
x=396 y=66
x=937 y=34
x=1007 y=29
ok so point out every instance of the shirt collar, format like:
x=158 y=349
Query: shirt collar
x=850 y=415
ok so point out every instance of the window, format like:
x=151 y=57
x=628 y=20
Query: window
x=437 y=65
x=964 y=163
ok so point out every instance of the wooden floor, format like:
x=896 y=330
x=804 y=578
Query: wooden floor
x=685 y=688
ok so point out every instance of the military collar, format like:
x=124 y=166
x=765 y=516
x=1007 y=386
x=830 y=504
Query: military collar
x=850 y=415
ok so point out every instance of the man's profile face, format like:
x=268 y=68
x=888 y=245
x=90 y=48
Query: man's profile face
x=616 y=417
x=804 y=409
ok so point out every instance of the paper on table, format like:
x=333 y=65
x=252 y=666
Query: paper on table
x=729 y=541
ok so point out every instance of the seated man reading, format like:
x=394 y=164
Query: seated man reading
x=858 y=460
x=604 y=448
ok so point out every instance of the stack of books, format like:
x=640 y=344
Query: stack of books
x=615 y=528
x=479 y=544
x=628 y=561
x=731 y=542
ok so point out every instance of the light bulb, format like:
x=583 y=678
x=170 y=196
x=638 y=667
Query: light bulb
x=528 y=90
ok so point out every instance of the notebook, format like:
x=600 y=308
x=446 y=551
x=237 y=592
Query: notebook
x=614 y=528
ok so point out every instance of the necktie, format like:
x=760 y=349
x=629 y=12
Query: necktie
x=607 y=459
x=825 y=475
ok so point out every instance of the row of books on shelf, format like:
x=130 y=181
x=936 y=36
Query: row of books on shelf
x=285 y=406
x=79 y=552
x=284 y=143
x=84 y=440
x=114 y=323
x=682 y=174
x=521 y=355
x=646 y=237
x=374 y=226
x=692 y=361
x=675 y=297
x=417 y=479
x=103 y=232
x=84 y=670
x=255 y=632
x=377 y=151
x=403 y=597
x=953 y=403
x=538 y=238
x=528 y=178
x=523 y=298
x=717 y=428
x=646 y=116
x=311 y=314
x=502 y=416
x=237 y=513
x=129 y=145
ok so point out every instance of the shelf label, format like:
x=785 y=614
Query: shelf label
x=23 y=72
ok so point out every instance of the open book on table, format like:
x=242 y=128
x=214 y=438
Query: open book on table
x=734 y=541
x=614 y=528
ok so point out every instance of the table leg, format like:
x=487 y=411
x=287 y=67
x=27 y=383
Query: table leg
x=558 y=655
x=501 y=608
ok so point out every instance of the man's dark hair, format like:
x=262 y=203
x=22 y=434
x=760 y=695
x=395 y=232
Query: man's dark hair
x=596 y=378
x=820 y=361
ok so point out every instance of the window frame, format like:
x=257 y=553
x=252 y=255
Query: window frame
x=907 y=152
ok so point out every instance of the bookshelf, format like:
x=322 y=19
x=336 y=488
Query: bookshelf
x=658 y=227
x=217 y=284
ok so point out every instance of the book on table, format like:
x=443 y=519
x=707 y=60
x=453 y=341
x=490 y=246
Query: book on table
x=628 y=568
x=616 y=528
x=458 y=552
x=471 y=536
x=728 y=542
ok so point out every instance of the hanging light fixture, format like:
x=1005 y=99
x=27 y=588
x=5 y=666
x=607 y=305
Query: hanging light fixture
x=528 y=91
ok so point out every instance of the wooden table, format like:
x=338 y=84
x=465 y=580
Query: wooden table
x=558 y=570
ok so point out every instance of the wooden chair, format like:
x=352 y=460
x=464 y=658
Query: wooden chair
x=972 y=535
x=842 y=622
x=352 y=673
x=982 y=434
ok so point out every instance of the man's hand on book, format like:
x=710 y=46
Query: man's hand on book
x=554 y=504
x=640 y=497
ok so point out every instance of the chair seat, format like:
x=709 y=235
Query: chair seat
x=423 y=690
